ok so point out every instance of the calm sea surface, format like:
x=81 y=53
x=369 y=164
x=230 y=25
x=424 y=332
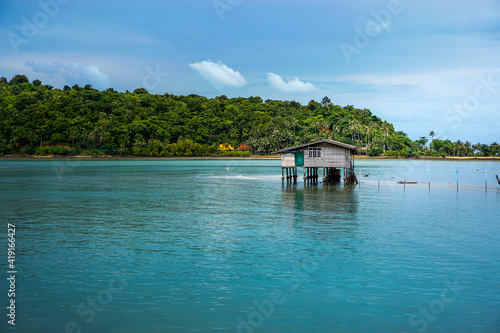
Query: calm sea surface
x=222 y=246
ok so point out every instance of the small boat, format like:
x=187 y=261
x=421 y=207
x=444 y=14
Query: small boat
x=407 y=182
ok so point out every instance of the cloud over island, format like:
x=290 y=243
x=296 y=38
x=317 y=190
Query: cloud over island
x=73 y=73
x=292 y=86
x=218 y=74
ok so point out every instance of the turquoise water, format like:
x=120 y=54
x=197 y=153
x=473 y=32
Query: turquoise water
x=222 y=246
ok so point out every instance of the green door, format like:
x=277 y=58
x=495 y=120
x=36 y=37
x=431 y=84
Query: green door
x=299 y=158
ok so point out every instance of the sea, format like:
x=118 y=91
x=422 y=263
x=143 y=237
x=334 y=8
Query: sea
x=163 y=245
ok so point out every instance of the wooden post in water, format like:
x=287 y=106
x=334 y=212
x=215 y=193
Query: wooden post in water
x=485 y=180
x=429 y=179
x=404 y=179
x=457 y=180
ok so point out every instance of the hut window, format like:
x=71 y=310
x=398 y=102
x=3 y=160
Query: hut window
x=314 y=152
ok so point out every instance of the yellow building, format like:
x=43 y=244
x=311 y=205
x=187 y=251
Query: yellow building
x=223 y=147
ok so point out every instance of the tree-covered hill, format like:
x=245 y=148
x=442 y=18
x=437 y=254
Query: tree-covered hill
x=38 y=119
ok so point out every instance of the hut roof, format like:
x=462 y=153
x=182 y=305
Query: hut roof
x=331 y=142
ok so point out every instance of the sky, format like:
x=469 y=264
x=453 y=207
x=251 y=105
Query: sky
x=422 y=65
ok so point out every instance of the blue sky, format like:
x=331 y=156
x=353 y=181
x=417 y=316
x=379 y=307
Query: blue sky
x=422 y=65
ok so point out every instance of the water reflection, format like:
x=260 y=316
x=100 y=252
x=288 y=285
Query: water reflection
x=324 y=211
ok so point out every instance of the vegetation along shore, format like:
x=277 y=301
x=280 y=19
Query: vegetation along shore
x=39 y=120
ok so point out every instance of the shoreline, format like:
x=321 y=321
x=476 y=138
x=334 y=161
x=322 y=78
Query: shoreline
x=252 y=157
x=114 y=157
x=430 y=158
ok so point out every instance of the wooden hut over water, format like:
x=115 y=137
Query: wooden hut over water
x=331 y=156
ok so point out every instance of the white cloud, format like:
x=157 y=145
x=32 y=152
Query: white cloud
x=218 y=74
x=447 y=82
x=73 y=73
x=292 y=86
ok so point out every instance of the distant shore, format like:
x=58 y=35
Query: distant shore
x=251 y=157
x=430 y=158
x=126 y=157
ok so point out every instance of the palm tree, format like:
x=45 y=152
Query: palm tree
x=73 y=133
x=352 y=126
x=468 y=149
x=335 y=130
x=385 y=133
x=287 y=124
x=293 y=123
x=369 y=129
x=30 y=136
x=102 y=135
x=315 y=125
x=15 y=142
x=495 y=148
x=326 y=127
x=477 y=148
x=92 y=137
x=432 y=134
x=122 y=150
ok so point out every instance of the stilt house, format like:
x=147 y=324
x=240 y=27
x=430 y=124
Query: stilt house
x=331 y=156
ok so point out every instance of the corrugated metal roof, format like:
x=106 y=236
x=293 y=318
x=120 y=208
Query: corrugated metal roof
x=331 y=142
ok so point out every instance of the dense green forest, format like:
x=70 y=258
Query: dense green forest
x=36 y=119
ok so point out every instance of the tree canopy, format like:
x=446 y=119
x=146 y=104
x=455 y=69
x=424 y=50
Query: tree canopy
x=37 y=119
